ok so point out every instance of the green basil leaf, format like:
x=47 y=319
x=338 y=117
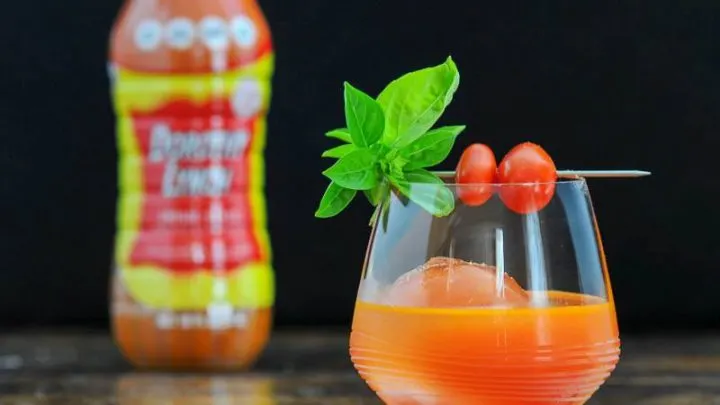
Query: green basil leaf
x=364 y=117
x=423 y=176
x=370 y=195
x=341 y=133
x=428 y=191
x=356 y=170
x=334 y=200
x=377 y=193
x=414 y=102
x=339 y=151
x=432 y=148
x=380 y=150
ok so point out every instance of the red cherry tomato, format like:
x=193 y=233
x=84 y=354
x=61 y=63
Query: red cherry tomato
x=478 y=167
x=528 y=177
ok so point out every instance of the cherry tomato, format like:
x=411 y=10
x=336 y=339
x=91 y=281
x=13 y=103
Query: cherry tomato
x=528 y=176
x=478 y=167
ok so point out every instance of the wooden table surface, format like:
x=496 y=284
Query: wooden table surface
x=308 y=368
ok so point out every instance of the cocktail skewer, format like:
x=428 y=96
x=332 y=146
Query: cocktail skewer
x=618 y=174
x=603 y=173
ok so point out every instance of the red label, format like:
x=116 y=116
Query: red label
x=196 y=211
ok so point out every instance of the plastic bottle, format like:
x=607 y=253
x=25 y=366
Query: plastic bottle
x=192 y=285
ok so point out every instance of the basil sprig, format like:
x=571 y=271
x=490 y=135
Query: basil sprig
x=389 y=141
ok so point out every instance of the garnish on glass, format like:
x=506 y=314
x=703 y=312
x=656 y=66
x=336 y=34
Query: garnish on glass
x=390 y=142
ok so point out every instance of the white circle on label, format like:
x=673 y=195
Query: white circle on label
x=148 y=35
x=219 y=316
x=214 y=33
x=247 y=98
x=164 y=320
x=180 y=33
x=243 y=31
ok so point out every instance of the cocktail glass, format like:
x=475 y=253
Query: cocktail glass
x=485 y=306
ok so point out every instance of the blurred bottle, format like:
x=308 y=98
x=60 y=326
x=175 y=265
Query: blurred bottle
x=193 y=286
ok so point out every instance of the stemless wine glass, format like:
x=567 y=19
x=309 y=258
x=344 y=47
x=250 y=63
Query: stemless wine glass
x=485 y=305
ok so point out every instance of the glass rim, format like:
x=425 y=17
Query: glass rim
x=446 y=175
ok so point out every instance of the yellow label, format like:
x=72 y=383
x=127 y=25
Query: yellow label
x=191 y=209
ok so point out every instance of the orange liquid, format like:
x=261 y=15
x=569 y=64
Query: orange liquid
x=145 y=345
x=560 y=353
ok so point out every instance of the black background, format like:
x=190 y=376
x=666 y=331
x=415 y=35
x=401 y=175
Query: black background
x=601 y=84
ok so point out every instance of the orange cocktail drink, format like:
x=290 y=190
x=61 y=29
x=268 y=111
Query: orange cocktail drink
x=417 y=343
x=563 y=352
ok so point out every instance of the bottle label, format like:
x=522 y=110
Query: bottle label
x=191 y=212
